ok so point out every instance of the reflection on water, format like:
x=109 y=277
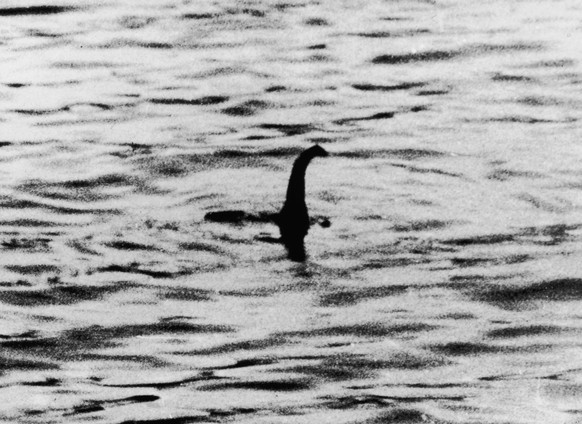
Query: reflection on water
x=146 y=149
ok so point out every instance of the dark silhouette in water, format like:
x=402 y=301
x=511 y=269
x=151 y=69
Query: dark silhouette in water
x=293 y=220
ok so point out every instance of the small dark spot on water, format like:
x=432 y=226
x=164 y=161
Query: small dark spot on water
x=33 y=269
x=317 y=47
x=372 y=329
x=289 y=129
x=432 y=92
x=128 y=245
x=198 y=16
x=289 y=385
x=248 y=108
x=275 y=89
x=380 y=115
x=560 y=290
x=427 y=56
x=423 y=225
x=347 y=296
x=185 y=294
x=510 y=78
x=464 y=348
x=16 y=85
x=245 y=363
x=316 y=22
x=528 y=330
x=557 y=63
x=35 y=10
x=58 y=295
x=5 y=143
x=136 y=269
x=402 y=86
x=244 y=346
x=201 y=101
x=476 y=240
x=401 y=415
x=48 y=382
x=506 y=174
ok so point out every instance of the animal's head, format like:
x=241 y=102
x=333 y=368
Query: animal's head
x=317 y=150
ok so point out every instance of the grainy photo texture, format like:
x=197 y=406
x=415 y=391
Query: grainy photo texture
x=292 y=212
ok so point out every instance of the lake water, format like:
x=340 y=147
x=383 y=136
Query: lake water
x=448 y=288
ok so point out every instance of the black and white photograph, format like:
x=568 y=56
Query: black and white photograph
x=291 y=211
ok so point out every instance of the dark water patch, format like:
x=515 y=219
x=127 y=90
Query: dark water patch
x=354 y=402
x=506 y=174
x=128 y=245
x=432 y=92
x=134 y=268
x=289 y=129
x=471 y=262
x=317 y=47
x=372 y=329
x=5 y=143
x=246 y=345
x=236 y=216
x=275 y=89
x=173 y=420
x=458 y=316
x=392 y=34
x=376 y=116
x=391 y=263
x=427 y=56
x=186 y=294
x=402 y=86
x=527 y=330
x=199 y=16
x=404 y=416
x=348 y=297
x=559 y=290
x=422 y=225
x=464 y=349
x=201 y=247
x=35 y=10
x=510 y=78
x=441 y=55
x=342 y=367
x=407 y=154
x=59 y=295
x=289 y=385
x=18 y=283
x=204 y=376
x=29 y=223
x=245 y=363
x=256 y=137
x=248 y=108
x=427 y=170
x=31 y=204
x=83 y=189
x=36 y=269
x=551 y=234
x=520 y=119
x=316 y=22
x=136 y=22
x=477 y=240
x=26 y=334
x=120 y=42
x=41 y=244
x=10 y=364
x=79 y=342
x=539 y=101
x=182 y=164
x=201 y=101
x=256 y=13
x=100 y=405
x=557 y=63
x=16 y=85
x=47 y=382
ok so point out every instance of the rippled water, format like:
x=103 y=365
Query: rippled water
x=447 y=289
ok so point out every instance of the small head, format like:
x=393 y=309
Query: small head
x=317 y=150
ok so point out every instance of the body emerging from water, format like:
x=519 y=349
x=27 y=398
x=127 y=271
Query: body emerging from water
x=293 y=219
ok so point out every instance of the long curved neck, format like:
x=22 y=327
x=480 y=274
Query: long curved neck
x=296 y=187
